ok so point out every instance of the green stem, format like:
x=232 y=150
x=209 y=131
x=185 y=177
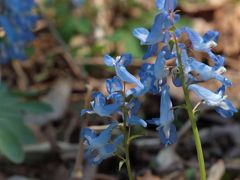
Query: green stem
x=192 y=118
x=126 y=138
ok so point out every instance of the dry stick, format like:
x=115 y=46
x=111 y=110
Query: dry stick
x=78 y=168
x=70 y=128
x=65 y=50
x=22 y=79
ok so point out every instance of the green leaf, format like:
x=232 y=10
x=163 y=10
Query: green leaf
x=131 y=44
x=83 y=26
x=35 y=107
x=17 y=127
x=121 y=163
x=27 y=93
x=13 y=131
x=9 y=113
x=10 y=146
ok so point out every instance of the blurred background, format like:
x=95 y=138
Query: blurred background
x=65 y=64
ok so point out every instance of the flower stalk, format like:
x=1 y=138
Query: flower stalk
x=126 y=134
x=191 y=115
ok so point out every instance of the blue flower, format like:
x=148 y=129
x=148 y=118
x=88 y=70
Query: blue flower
x=106 y=151
x=217 y=100
x=120 y=67
x=176 y=78
x=114 y=85
x=17 y=20
x=211 y=36
x=147 y=81
x=205 y=72
x=133 y=107
x=166 y=5
x=100 y=143
x=169 y=54
x=167 y=131
x=151 y=51
x=155 y=35
x=205 y=43
x=159 y=32
x=160 y=71
x=94 y=141
x=152 y=76
x=101 y=107
x=198 y=42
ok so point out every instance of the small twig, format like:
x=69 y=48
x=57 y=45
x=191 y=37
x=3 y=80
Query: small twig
x=101 y=127
x=78 y=72
x=70 y=128
x=22 y=79
x=78 y=168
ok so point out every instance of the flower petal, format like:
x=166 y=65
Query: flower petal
x=159 y=66
x=211 y=35
x=108 y=60
x=124 y=75
x=228 y=111
x=114 y=85
x=168 y=135
x=134 y=120
x=166 y=112
x=151 y=51
x=141 y=34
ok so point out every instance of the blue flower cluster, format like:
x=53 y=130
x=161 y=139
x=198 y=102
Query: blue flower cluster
x=16 y=22
x=99 y=147
x=163 y=41
x=159 y=41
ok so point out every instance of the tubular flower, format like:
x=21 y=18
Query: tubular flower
x=199 y=43
x=176 y=79
x=152 y=76
x=153 y=37
x=166 y=5
x=205 y=72
x=101 y=107
x=133 y=107
x=159 y=31
x=172 y=57
x=106 y=151
x=217 y=100
x=100 y=143
x=167 y=131
x=120 y=67
x=205 y=43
